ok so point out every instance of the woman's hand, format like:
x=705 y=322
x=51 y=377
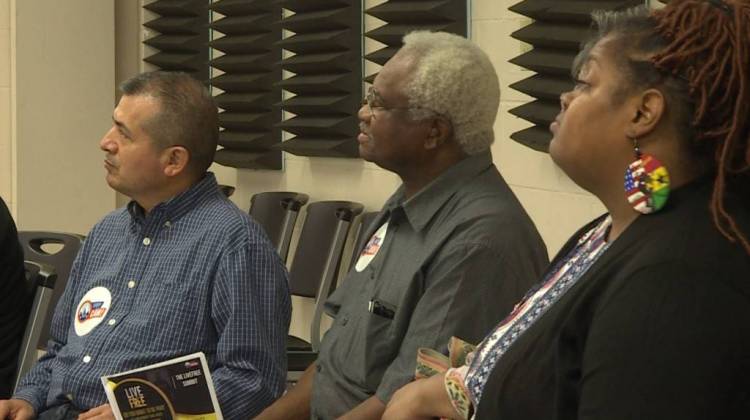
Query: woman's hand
x=421 y=399
x=103 y=412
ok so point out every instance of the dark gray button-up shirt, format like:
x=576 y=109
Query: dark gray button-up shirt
x=456 y=257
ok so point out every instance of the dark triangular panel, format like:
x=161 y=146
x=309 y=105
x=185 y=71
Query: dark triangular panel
x=567 y=11
x=325 y=62
x=242 y=44
x=243 y=7
x=411 y=11
x=258 y=141
x=312 y=84
x=322 y=41
x=555 y=62
x=382 y=55
x=246 y=63
x=175 y=7
x=270 y=159
x=558 y=29
x=249 y=82
x=543 y=86
x=311 y=6
x=552 y=35
x=190 y=43
x=341 y=104
x=244 y=101
x=539 y=112
x=234 y=25
x=182 y=40
x=189 y=63
x=321 y=147
x=535 y=137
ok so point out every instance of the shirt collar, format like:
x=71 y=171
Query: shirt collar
x=177 y=206
x=421 y=207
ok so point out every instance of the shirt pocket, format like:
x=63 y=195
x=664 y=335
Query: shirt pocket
x=379 y=344
x=170 y=316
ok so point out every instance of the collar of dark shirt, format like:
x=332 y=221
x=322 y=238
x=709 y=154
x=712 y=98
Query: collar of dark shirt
x=174 y=208
x=421 y=207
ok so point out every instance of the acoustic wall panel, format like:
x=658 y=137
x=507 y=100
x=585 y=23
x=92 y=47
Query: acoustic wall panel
x=246 y=69
x=324 y=91
x=182 y=42
x=322 y=44
x=556 y=33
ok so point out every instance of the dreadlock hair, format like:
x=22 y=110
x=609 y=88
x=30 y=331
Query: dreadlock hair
x=696 y=52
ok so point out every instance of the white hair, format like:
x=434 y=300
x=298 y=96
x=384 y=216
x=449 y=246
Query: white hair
x=454 y=78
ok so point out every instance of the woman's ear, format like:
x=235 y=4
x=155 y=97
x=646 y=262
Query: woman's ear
x=176 y=159
x=649 y=108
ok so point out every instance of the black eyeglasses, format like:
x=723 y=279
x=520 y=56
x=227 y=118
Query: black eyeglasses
x=372 y=102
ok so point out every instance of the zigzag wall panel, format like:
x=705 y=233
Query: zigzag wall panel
x=182 y=42
x=324 y=90
x=246 y=68
x=558 y=29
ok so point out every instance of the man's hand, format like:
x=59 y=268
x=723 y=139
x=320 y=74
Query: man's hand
x=103 y=412
x=16 y=410
x=295 y=404
x=421 y=399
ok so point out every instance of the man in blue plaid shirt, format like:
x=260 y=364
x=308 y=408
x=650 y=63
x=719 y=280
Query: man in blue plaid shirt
x=180 y=269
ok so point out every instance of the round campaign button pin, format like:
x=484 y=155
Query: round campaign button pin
x=92 y=309
x=371 y=249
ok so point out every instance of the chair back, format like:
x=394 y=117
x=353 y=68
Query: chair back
x=40 y=279
x=227 y=190
x=318 y=254
x=276 y=212
x=34 y=244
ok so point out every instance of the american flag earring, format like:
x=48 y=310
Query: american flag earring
x=646 y=182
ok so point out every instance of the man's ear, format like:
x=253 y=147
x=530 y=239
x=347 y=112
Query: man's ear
x=441 y=131
x=648 y=110
x=175 y=160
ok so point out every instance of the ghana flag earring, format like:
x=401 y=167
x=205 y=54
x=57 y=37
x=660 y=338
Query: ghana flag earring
x=646 y=182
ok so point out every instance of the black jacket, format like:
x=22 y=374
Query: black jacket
x=15 y=300
x=658 y=328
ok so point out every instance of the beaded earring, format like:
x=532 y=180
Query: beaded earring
x=646 y=182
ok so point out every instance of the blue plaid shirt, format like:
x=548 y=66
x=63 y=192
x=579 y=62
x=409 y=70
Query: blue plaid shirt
x=195 y=274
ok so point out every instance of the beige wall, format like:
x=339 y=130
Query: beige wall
x=62 y=96
x=7 y=153
x=128 y=51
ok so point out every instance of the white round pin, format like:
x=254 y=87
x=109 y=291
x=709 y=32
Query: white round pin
x=91 y=310
x=371 y=249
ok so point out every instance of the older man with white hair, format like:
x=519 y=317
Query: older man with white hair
x=451 y=251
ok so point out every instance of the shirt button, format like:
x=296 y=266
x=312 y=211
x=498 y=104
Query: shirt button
x=112 y=321
x=131 y=284
x=167 y=223
x=86 y=358
x=147 y=241
x=344 y=320
x=318 y=368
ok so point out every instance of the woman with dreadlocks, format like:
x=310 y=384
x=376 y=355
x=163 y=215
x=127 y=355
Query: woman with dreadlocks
x=645 y=312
